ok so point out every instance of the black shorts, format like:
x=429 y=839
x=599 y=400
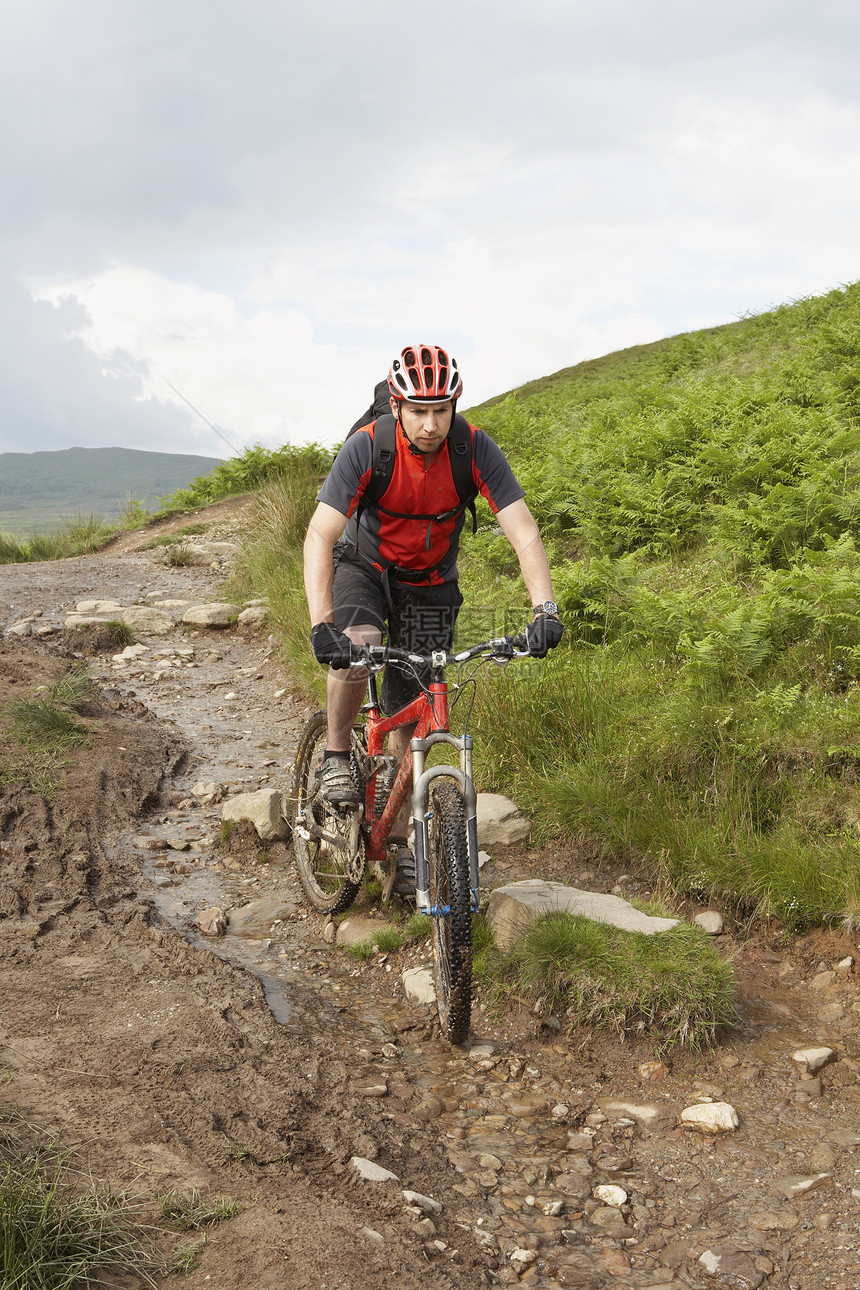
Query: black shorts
x=424 y=618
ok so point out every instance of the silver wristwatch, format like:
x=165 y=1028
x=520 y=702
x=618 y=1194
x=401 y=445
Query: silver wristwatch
x=548 y=607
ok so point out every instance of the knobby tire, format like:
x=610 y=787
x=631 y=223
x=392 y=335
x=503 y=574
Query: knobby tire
x=321 y=868
x=449 y=886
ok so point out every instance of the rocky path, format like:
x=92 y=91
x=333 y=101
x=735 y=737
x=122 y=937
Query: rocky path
x=266 y=1063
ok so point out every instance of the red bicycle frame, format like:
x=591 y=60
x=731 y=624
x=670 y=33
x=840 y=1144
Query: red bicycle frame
x=429 y=714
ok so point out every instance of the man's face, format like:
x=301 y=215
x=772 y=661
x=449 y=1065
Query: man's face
x=426 y=425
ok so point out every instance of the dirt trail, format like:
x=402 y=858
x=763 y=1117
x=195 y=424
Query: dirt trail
x=166 y=1062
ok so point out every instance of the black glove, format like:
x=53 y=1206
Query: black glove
x=543 y=634
x=331 y=646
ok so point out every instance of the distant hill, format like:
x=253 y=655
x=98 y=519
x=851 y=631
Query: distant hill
x=39 y=491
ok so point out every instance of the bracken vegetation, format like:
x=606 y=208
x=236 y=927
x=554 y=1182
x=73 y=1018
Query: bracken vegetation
x=699 y=501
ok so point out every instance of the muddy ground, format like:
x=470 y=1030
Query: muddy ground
x=121 y=1026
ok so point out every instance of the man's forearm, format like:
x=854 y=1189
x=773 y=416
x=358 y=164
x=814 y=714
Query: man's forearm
x=319 y=573
x=518 y=526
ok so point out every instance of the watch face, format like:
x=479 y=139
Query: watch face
x=548 y=607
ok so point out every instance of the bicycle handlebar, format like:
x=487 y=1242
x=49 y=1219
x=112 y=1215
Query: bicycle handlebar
x=502 y=648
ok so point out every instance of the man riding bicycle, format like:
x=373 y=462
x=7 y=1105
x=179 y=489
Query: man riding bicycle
x=389 y=564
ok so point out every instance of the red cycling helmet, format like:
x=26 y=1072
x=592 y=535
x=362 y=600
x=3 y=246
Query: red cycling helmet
x=424 y=374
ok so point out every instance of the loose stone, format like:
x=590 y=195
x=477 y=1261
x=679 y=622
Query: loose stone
x=427 y=1203
x=813 y=1059
x=768 y=1221
x=710 y=922
x=608 y=1217
x=371 y=1171
x=488 y=1161
x=609 y=1194
x=710 y=1118
x=212 y=922
x=370 y=1234
x=799 y=1185
x=522 y=1259
x=731 y=1265
x=652 y=1070
x=418 y=984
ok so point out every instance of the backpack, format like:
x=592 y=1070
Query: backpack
x=384 y=447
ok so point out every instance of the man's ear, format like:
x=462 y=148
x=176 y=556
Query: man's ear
x=395 y=407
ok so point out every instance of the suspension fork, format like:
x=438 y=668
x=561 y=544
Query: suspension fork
x=421 y=781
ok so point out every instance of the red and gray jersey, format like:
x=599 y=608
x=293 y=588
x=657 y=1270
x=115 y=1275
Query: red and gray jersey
x=418 y=489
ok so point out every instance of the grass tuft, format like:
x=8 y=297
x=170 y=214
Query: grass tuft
x=672 y=988
x=57 y=1230
x=388 y=939
x=195 y=1211
x=41 y=723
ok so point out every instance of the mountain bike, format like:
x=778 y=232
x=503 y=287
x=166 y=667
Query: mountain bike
x=332 y=845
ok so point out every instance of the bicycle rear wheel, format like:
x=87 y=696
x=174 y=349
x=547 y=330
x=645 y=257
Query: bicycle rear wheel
x=330 y=870
x=450 y=901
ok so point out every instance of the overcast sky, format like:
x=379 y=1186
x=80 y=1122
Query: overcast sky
x=261 y=201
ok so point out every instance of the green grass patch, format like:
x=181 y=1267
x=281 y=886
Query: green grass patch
x=194 y=1210
x=418 y=927
x=57 y=1230
x=361 y=951
x=671 y=988
x=41 y=723
x=388 y=940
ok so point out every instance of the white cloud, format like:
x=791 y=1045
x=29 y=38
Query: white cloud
x=262 y=202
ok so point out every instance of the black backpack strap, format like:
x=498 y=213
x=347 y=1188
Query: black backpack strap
x=384 y=449
x=460 y=455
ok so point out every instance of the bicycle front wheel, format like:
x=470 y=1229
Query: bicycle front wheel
x=450 y=901
x=330 y=868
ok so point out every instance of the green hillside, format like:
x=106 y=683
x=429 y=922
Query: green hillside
x=699 y=500
x=40 y=491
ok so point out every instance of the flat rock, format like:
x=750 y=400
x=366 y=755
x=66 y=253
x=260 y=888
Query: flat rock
x=207 y=791
x=499 y=821
x=710 y=1118
x=794 y=1185
x=23 y=628
x=812 y=1060
x=264 y=809
x=145 y=842
x=143 y=618
x=771 y=1221
x=201 y=554
x=256 y=918
x=98 y=607
x=130 y=653
x=418 y=984
x=649 y=1117
x=86 y=620
x=608 y=1216
x=212 y=922
x=731 y=1266
x=371 y=1171
x=212 y=615
x=513 y=907
x=355 y=929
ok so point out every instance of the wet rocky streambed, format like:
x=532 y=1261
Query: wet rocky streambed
x=568 y=1158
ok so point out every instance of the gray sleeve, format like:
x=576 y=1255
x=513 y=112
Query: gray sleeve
x=351 y=469
x=493 y=474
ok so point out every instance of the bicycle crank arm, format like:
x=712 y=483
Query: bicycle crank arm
x=317 y=834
